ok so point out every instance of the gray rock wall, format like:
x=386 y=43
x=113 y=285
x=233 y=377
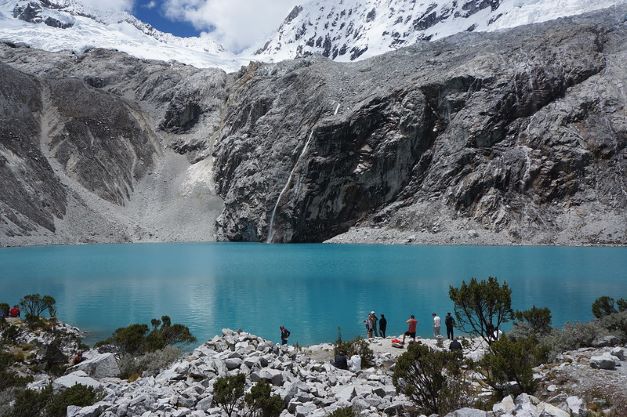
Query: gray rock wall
x=507 y=132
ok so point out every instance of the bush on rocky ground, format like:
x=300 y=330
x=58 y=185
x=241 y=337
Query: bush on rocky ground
x=357 y=346
x=228 y=392
x=138 y=339
x=432 y=379
x=604 y=306
x=8 y=378
x=261 y=403
x=574 y=336
x=4 y=309
x=149 y=364
x=343 y=412
x=47 y=403
x=511 y=360
x=533 y=322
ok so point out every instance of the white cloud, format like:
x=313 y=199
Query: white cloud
x=114 y=5
x=150 y=5
x=236 y=24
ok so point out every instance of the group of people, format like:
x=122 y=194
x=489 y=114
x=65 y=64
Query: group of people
x=12 y=312
x=449 y=321
x=371 y=325
x=376 y=327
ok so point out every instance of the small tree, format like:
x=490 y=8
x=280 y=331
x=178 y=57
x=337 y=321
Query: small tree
x=604 y=306
x=481 y=307
x=535 y=321
x=228 y=392
x=511 y=361
x=261 y=403
x=431 y=379
x=34 y=305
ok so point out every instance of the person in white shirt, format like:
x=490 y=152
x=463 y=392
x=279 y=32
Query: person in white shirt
x=436 y=325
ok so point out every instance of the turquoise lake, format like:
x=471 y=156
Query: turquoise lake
x=312 y=289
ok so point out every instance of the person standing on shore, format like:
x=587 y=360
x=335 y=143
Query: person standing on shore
x=368 y=324
x=436 y=325
x=383 y=324
x=373 y=318
x=412 y=324
x=450 y=324
x=284 y=335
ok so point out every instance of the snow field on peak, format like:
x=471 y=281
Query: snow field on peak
x=346 y=30
x=124 y=33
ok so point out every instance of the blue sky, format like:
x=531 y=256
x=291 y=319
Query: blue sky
x=236 y=24
x=151 y=11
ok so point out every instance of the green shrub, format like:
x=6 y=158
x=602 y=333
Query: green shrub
x=616 y=324
x=433 y=380
x=45 y=403
x=603 y=306
x=228 y=392
x=54 y=360
x=511 y=360
x=150 y=363
x=621 y=303
x=535 y=321
x=482 y=306
x=10 y=379
x=570 y=337
x=36 y=323
x=34 y=305
x=357 y=346
x=10 y=333
x=4 y=309
x=261 y=403
x=78 y=395
x=343 y=412
x=30 y=403
x=136 y=338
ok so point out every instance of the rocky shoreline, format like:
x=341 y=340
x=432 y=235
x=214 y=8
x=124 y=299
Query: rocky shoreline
x=309 y=385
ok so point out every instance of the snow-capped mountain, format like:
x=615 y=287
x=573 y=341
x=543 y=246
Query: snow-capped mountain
x=342 y=30
x=57 y=25
x=347 y=30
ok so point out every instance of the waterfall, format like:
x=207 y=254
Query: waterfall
x=285 y=187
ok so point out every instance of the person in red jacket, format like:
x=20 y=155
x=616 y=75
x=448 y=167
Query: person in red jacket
x=14 y=312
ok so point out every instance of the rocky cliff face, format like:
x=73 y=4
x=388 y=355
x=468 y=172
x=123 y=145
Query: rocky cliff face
x=515 y=136
x=519 y=134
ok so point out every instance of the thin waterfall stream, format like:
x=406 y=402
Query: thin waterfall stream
x=287 y=184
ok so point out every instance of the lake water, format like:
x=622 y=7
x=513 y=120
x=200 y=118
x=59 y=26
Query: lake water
x=312 y=289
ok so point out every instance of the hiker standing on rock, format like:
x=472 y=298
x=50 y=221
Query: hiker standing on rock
x=368 y=324
x=383 y=324
x=373 y=318
x=436 y=325
x=412 y=323
x=284 y=335
x=450 y=323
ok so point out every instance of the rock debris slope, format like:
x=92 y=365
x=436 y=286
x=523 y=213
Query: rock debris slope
x=104 y=147
x=509 y=137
